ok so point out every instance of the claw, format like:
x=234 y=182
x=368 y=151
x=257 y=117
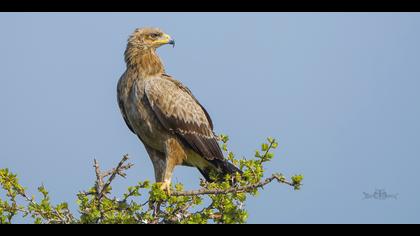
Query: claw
x=166 y=186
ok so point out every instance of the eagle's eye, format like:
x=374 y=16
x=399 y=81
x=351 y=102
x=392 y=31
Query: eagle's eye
x=154 y=35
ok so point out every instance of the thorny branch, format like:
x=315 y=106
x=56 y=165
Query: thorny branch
x=96 y=205
x=240 y=189
x=66 y=218
x=52 y=216
x=102 y=187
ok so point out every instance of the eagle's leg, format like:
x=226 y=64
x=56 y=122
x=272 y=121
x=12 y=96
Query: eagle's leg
x=159 y=164
x=164 y=163
x=175 y=155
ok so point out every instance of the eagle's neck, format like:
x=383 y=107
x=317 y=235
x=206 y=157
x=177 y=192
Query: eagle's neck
x=146 y=62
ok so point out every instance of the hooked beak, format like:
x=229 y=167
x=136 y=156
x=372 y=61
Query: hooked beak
x=172 y=42
x=166 y=39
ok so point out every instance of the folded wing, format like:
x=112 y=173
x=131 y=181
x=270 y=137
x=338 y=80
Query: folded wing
x=180 y=112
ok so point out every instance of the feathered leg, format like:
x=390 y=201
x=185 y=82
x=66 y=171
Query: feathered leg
x=175 y=155
x=159 y=162
x=164 y=163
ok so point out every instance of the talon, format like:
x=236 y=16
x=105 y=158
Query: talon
x=166 y=186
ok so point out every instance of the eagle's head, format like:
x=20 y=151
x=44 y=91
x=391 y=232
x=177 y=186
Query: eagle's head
x=149 y=38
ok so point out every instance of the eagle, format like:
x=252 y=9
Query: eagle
x=173 y=126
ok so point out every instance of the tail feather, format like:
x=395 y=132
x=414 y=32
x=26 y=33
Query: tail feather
x=222 y=169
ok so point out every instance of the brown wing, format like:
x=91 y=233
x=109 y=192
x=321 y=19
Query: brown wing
x=120 y=101
x=179 y=112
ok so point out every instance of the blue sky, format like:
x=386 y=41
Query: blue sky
x=340 y=91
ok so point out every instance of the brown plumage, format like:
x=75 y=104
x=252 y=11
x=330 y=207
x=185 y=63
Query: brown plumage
x=173 y=126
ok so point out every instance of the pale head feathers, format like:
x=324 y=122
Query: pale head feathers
x=141 y=51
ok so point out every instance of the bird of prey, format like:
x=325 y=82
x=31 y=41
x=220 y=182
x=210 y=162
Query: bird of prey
x=173 y=126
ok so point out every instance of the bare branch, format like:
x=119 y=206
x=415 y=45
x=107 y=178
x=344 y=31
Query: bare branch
x=99 y=178
x=102 y=187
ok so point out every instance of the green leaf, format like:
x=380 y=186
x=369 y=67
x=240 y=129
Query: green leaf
x=274 y=145
x=264 y=147
x=270 y=155
x=224 y=138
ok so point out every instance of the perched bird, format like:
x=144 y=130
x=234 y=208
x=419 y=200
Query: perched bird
x=173 y=126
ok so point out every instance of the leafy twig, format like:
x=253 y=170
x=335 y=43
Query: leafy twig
x=239 y=189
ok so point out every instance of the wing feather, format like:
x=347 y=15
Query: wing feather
x=180 y=112
x=121 y=102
